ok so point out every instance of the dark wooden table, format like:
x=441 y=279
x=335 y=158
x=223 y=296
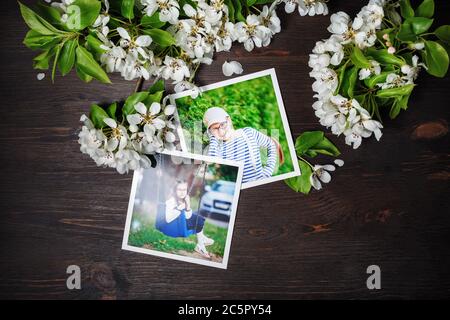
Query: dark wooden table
x=387 y=206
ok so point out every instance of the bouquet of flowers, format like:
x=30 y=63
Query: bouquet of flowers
x=369 y=65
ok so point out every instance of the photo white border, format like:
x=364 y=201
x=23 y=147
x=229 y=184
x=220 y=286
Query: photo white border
x=226 y=253
x=281 y=109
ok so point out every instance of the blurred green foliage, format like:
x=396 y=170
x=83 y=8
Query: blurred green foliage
x=251 y=103
x=223 y=172
x=150 y=238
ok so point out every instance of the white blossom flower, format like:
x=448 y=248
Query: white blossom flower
x=169 y=10
x=251 y=32
x=393 y=80
x=357 y=31
x=148 y=117
x=223 y=36
x=331 y=46
x=118 y=136
x=318 y=62
x=312 y=7
x=306 y=7
x=418 y=45
x=375 y=69
x=372 y=14
x=102 y=20
x=114 y=58
x=106 y=158
x=90 y=139
x=268 y=18
x=326 y=82
x=229 y=68
x=411 y=72
x=321 y=174
x=187 y=85
x=131 y=57
x=175 y=69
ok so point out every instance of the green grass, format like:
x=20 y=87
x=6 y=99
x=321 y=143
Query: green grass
x=251 y=103
x=150 y=236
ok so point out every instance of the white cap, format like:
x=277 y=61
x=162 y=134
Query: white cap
x=214 y=115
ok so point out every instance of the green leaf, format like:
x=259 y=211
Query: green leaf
x=395 y=92
x=193 y=4
x=82 y=14
x=406 y=32
x=426 y=9
x=158 y=86
x=155 y=97
x=395 y=110
x=49 y=13
x=161 y=37
x=349 y=81
x=42 y=61
x=83 y=76
x=35 y=41
x=263 y=1
x=374 y=80
x=406 y=10
x=301 y=183
x=152 y=22
x=403 y=101
x=231 y=10
x=36 y=22
x=341 y=73
x=436 y=59
x=358 y=58
x=250 y=2
x=420 y=25
x=94 y=45
x=127 y=9
x=307 y=140
x=393 y=15
x=67 y=57
x=86 y=62
x=128 y=107
x=326 y=147
x=238 y=16
x=443 y=33
x=55 y=61
x=111 y=110
x=384 y=57
x=97 y=116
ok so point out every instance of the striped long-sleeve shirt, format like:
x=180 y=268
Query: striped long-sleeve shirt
x=245 y=147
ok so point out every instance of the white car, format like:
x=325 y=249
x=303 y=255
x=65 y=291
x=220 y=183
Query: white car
x=217 y=200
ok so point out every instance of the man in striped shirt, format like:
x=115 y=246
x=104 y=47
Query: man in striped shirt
x=242 y=145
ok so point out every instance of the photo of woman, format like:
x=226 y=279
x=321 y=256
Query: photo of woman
x=241 y=119
x=184 y=208
x=180 y=221
x=240 y=145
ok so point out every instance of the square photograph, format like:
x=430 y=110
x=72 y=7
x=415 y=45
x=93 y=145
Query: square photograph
x=184 y=209
x=242 y=119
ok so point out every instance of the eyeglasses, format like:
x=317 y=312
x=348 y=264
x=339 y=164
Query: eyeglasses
x=222 y=126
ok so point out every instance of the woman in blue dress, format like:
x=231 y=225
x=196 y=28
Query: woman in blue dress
x=179 y=220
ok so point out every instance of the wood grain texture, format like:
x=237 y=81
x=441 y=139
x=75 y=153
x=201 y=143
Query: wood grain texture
x=387 y=206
